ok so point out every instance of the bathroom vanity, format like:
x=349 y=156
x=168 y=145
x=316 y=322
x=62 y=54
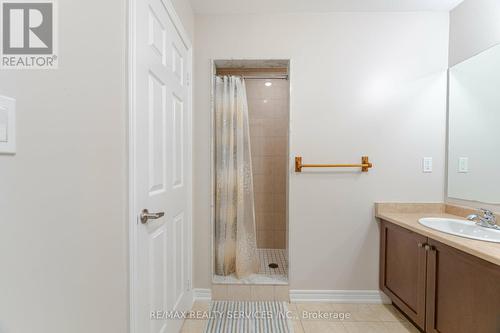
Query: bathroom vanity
x=443 y=283
x=440 y=263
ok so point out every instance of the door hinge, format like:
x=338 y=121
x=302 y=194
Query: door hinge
x=188 y=79
x=188 y=284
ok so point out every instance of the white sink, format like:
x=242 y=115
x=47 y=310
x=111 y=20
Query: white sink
x=462 y=228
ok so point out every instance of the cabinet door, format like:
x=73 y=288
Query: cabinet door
x=403 y=270
x=463 y=292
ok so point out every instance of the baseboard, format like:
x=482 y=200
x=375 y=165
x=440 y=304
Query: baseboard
x=340 y=296
x=200 y=294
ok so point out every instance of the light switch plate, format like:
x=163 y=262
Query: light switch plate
x=7 y=125
x=427 y=164
x=463 y=164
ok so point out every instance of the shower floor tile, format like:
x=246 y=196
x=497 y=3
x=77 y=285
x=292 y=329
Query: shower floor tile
x=266 y=275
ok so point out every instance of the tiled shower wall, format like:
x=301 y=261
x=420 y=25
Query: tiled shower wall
x=268 y=113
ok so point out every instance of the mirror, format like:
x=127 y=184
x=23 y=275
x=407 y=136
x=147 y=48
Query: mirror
x=474 y=128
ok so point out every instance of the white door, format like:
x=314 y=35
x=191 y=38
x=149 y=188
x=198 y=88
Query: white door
x=161 y=168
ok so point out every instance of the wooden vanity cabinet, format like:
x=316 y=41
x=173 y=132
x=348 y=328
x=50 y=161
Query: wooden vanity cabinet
x=402 y=270
x=441 y=289
x=463 y=292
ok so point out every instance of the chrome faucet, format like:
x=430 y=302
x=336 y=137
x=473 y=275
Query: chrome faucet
x=486 y=220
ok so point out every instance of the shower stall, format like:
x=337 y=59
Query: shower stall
x=250 y=127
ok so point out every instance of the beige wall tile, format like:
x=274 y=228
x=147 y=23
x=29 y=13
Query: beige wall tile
x=262 y=293
x=279 y=220
x=279 y=202
x=278 y=146
x=280 y=127
x=268 y=113
x=239 y=292
x=279 y=183
x=389 y=207
x=264 y=202
x=279 y=163
x=219 y=291
x=265 y=239
x=279 y=239
x=282 y=293
x=258 y=165
x=256 y=146
x=268 y=221
x=256 y=128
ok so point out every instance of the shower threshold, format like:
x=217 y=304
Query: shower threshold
x=267 y=274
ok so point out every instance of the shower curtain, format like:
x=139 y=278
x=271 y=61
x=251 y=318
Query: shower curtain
x=235 y=235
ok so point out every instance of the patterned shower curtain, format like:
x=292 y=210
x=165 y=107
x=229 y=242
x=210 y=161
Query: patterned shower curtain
x=235 y=235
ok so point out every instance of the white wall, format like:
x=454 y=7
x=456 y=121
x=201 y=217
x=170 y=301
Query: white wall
x=63 y=196
x=186 y=14
x=362 y=83
x=474 y=26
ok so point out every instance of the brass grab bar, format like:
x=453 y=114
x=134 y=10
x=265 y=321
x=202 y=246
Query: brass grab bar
x=365 y=165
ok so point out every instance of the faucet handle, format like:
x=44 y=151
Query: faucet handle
x=488 y=216
x=486 y=212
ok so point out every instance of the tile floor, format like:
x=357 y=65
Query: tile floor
x=364 y=318
x=266 y=274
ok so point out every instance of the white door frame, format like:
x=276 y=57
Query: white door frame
x=132 y=202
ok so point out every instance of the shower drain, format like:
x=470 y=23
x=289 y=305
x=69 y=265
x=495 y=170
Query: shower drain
x=273 y=265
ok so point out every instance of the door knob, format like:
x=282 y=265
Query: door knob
x=146 y=215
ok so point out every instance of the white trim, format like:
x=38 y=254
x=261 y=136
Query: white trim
x=200 y=294
x=132 y=205
x=132 y=216
x=340 y=296
x=212 y=168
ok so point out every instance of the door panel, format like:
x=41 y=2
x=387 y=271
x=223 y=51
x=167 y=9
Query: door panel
x=403 y=269
x=160 y=126
x=463 y=292
x=178 y=144
x=157 y=135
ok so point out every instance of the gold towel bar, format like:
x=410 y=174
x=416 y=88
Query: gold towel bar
x=365 y=165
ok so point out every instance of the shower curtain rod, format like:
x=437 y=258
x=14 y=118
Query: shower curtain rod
x=256 y=77
x=264 y=77
x=278 y=73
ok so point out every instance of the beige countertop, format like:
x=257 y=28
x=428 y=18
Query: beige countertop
x=407 y=218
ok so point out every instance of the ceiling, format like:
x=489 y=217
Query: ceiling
x=317 y=6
